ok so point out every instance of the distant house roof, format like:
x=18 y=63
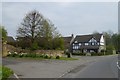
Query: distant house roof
x=10 y=39
x=86 y=38
x=67 y=39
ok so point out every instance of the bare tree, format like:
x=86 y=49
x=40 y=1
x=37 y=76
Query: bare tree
x=35 y=27
x=31 y=25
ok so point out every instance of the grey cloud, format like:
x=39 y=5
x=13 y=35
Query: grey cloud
x=77 y=18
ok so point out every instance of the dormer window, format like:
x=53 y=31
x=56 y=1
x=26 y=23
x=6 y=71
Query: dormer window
x=93 y=42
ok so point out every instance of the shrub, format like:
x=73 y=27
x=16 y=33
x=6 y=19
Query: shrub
x=34 y=46
x=94 y=54
x=8 y=55
x=88 y=54
x=39 y=55
x=30 y=55
x=33 y=55
x=57 y=57
x=13 y=55
x=46 y=56
x=108 y=53
x=50 y=56
x=100 y=54
x=25 y=55
x=21 y=55
x=79 y=54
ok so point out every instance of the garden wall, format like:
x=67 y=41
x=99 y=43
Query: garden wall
x=10 y=48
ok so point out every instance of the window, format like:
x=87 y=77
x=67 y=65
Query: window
x=79 y=44
x=86 y=43
x=93 y=40
x=73 y=47
x=93 y=43
x=76 y=47
x=75 y=41
x=98 y=44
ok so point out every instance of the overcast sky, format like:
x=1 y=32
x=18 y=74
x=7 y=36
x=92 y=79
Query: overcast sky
x=68 y=17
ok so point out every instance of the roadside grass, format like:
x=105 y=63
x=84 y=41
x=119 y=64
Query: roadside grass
x=0 y=72
x=33 y=57
x=6 y=72
x=64 y=58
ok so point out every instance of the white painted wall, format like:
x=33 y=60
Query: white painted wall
x=102 y=41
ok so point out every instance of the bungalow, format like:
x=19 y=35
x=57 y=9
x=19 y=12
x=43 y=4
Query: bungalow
x=88 y=43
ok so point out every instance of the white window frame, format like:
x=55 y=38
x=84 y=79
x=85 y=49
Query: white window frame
x=86 y=44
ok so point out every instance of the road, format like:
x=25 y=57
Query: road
x=104 y=68
x=85 y=67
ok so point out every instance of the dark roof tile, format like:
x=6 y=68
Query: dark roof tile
x=86 y=38
x=10 y=39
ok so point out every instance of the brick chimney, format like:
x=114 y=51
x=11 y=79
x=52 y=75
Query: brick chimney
x=72 y=35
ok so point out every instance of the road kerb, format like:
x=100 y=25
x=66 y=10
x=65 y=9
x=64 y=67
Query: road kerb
x=118 y=65
x=16 y=76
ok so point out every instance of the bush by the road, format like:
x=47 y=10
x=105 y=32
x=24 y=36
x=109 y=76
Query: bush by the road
x=57 y=57
x=39 y=56
x=79 y=54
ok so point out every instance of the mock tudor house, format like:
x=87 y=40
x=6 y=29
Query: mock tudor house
x=88 y=43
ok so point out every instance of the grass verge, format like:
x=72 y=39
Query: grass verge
x=41 y=58
x=0 y=72
x=6 y=72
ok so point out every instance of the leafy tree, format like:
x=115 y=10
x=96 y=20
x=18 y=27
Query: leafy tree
x=23 y=42
x=3 y=33
x=108 y=38
x=34 y=46
x=116 y=41
x=95 y=32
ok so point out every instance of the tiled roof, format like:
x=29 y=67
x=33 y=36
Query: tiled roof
x=67 y=39
x=10 y=39
x=86 y=38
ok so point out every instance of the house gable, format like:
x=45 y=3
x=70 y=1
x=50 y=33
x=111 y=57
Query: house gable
x=102 y=41
x=88 y=42
x=93 y=40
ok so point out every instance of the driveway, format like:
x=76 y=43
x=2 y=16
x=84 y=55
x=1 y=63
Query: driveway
x=48 y=68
